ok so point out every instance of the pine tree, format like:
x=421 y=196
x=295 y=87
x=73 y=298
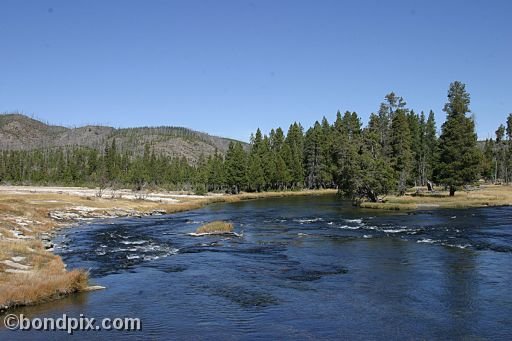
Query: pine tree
x=459 y=157
x=201 y=176
x=276 y=140
x=382 y=122
x=488 y=160
x=236 y=167
x=110 y=160
x=216 y=176
x=416 y=127
x=327 y=171
x=400 y=149
x=286 y=155
x=509 y=147
x=431 y=146
x=363 y=174
x=267 y=163
x=347 y=148
x=295 y=141
x=255 y=174
x=282 y=175
x=313 y=156
x=500 y=155
x=256 y=142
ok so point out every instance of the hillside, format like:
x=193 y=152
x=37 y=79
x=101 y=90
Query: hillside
x=20 y=132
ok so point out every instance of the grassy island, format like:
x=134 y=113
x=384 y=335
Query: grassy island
x=215 y=227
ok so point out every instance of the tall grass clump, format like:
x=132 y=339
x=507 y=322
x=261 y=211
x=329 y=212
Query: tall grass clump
x=215 y=227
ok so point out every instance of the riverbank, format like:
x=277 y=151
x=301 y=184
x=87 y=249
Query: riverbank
x=30 y=273
x=483 y=196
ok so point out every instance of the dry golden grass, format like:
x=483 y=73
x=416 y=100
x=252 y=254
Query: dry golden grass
x=32 y=251
x=261 y=195
x=486 y=195
x=41 y=286
x=46 y=279
x=215 y=227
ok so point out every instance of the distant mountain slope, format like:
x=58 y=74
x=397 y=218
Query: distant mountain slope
x=20 y=132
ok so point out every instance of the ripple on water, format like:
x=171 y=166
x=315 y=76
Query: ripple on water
x=307 y=275
x=348 y=227
x=243 y=296
x=356 y=221
x=319 y=278
x=307 y=220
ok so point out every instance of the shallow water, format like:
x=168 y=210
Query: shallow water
x=305 y=268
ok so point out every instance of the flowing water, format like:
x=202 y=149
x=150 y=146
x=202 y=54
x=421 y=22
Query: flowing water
x=305 y=268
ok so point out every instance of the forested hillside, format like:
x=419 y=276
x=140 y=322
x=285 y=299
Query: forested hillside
x=397 y=149
x=19 y=132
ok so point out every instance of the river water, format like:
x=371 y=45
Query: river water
x=306 y=268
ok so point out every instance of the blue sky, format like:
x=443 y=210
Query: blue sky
x=228 y=67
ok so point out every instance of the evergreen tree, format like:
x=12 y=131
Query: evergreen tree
x=282 y=175
x=276 y=140
x=348 y=149
x=488 y=161
x=431 y=146
x=500 y=156
x=295 y=141
x=509 y=147
x=201 y=175
x=416 y=127
x=364 y=175
x=267 y=163
x=400 y=150
x=255 y=174
x=458 y=155
x=313 y=156
x=236 y=167
x=327 y=171
x=382 y=122
x=216 y=177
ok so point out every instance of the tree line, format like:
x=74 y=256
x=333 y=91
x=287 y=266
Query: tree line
x=396 y=150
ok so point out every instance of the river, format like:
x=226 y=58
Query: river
x=306 y=268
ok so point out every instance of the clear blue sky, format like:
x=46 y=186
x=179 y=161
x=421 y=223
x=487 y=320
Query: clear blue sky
x=228 y=67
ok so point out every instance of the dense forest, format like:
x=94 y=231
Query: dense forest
x=396 y=150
